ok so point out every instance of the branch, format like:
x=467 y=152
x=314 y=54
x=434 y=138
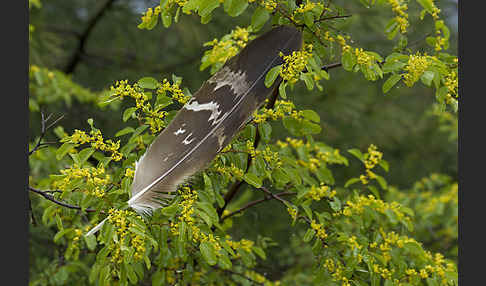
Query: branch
x=236 y=186
x=51 y=198
x=332 y=17
x=331 y=66
x=84 y=36
x=256 y=202
x=44 y=130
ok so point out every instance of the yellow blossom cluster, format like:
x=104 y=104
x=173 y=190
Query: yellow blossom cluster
x=129 y=172
x=319 y=229
x=175 y=90
x=430 y=205
x=338 y=271
x=189 y=198
x=244 y=244
x=416 y=66
x=373 y=157
x=228 y=46
x=436 y=264
x=317 y=193
x=150 y=14
x=95 y=178
x=281 y=109
x=340 y=40
x=267 y=154
x=119 y=218
x=295 y=63
x=451 y=82
x=230 y=171
x=333 y=157
x=292 y=212
x=362 y=57
x=400 y=8
x=95 y=138
x=357 y=207
x=154 y=117
x=269 y=5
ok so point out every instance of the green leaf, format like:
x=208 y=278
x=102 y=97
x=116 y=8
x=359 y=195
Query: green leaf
x=308 y=80
x=348 y=60
x=128 y=113
x=206 y=7
x=259 y=251
x=272 y=75
x=253 y=180
x=357 y=153
x=166 y=18
x=309 y=235
x=84 y=154
x=235 y=7
x=427 y=5
x=427 y=77
x=90 y=241
x=281 y=89
x=309 y=19
x=351 y=181
x=390 y=82
x=63 y=150
x=124 y=131
x=208 y=253
x=265 y=130
x=259 y=18
x=148 y=82
x=311 y=115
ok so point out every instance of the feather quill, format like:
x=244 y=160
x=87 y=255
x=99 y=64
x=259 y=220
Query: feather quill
x=209 y=121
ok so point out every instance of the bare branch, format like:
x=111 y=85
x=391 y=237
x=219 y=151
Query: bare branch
x=51 y=198
x=254 y=203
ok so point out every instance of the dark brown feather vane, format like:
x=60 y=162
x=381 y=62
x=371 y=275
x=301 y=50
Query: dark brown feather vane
x=210 y=120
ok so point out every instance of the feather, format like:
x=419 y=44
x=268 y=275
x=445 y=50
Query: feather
x=209 y=121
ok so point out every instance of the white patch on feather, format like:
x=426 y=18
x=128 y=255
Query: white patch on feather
x=210 y=106
x=236 y=80
x=179 y=131
x=186 y=141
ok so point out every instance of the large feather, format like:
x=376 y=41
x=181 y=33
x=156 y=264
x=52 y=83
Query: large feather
x=208 y=122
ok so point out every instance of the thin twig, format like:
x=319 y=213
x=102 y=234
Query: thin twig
x=236 y=186
x=241 y=275
x=256 y=202
x=51 y=198
x=332 y=17
x=44 y=129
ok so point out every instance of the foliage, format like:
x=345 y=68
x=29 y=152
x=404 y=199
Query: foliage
x=360 y=230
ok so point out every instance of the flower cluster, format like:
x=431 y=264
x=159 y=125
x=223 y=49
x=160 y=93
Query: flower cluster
x=295 y=63
x=175 y=90
x=267 y=154
x=226 y=48
x=416 y=66
x=153 y=116
x=319 y=229
x=400 y=8
x=338 y=271
x=95 y=178
x=317 y=193
x=189 y=198
x=362 y=57
x=358 y=205
x=451 y=82
x=281 y=109
x=373 y=157
x=120 y=219
x=95 y=138
x=149 y=15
